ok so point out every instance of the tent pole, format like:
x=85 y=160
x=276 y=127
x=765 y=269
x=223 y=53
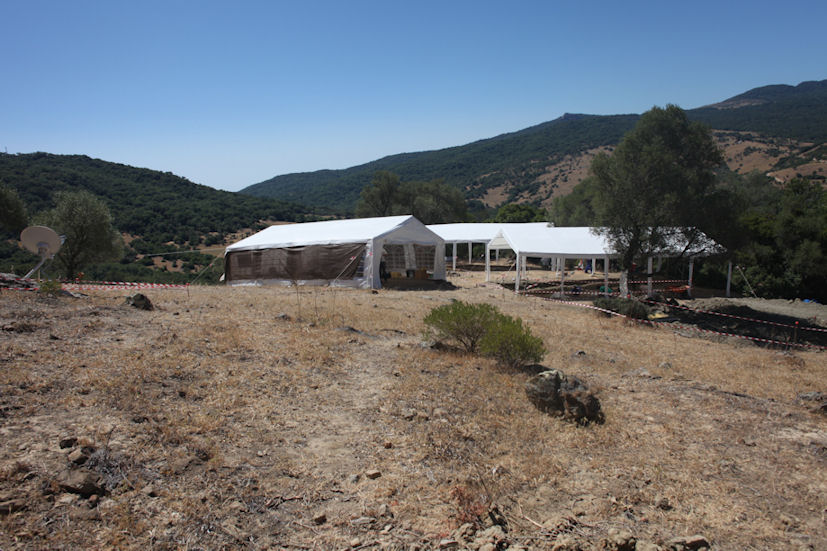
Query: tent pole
x=469 y=253
x=594 y=265
x=488 y=261
x=517 y=275
x=649 y=277
x=562 y=275
x=454 y=257
x=689 y=283
x=728 y=278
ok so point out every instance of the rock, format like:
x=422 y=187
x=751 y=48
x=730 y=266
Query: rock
x=465 y=532
x=81 y=481
x=689 y=543
x=139 y=301
x=385 y=511
x=647 y=546
x=488 y=547
x=665 y=365
x=373 y=474
x=556 y=393
x=663 y=504
x=448 y=543
x=355 y=542
x=319 y=518
x=362 y=521
x=619 y=540
x=78 y=456
x=149 y=490
x=353 y=479
x=67 y=442
x=283 y=316
x=408 y=414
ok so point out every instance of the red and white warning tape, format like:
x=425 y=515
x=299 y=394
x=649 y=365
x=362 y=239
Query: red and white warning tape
x=688 y=327
x=713 y=313
x=121 y=285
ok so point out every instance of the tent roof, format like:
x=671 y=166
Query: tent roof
x=579 y=242
x=476 y=232
x=405 y=229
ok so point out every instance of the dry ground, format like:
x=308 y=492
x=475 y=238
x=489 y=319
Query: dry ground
x=251 y=418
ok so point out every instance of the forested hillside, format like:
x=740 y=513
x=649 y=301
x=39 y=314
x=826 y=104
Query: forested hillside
x=158 y=211
x=530 y=165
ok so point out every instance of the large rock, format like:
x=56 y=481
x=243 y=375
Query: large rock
x=81 y=481
x=564 y=395
x=140 y=301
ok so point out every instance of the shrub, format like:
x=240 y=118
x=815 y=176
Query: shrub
x=626 y=306
x=50 y=287
x=482 y=326
x=511 y=343
x=461 y=322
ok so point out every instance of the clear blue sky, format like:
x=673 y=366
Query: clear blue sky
x=229 y=94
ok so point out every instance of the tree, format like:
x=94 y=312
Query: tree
x=377 y=198
x=658 y=184
x=518 y=212
x=431 y=202
x=12 y=211
x=87 y=224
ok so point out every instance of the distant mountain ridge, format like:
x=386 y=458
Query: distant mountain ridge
x=526 y=165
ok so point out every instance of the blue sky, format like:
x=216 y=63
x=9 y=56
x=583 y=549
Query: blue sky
x=229 y=94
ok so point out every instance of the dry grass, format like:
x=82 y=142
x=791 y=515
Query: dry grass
x=221 y=423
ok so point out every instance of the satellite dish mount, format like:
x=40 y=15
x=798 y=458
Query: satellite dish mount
x=42 y=241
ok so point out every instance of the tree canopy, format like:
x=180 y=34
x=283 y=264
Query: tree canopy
x=12 y=211
x=660 y=178
x=430 y=202
x=87 y=225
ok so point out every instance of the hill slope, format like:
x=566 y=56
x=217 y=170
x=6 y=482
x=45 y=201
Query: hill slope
x=142 y=201
x=533 y=164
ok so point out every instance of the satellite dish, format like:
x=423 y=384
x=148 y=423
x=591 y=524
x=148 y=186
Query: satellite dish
x=42 y=241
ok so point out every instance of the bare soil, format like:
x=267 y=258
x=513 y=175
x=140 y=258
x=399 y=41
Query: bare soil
x=274 y=418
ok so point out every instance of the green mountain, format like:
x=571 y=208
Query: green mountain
x=521 y=165
x=158 y=211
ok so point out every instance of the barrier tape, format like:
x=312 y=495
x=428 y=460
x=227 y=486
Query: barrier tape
x=711 y=312
x=688 y=327
x=101 y=285
x=120 y=286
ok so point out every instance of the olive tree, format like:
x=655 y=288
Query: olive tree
x=659 y=183
x=86 y=223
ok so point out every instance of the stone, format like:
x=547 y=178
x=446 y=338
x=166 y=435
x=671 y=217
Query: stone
x=139 y=301
x=149 y=490
x=362 y=521
x=448 y=543
x=665 y=365
x=385 y=511
x=81 y=481
x=464 y=532
x=619 y=540
x=663 y=504
x=373 y=474
x=67 y=442
x=689 y=543
x=563 y=395
x=355 y=542
x=319 y=518
x=647 y=546
x=77 y=456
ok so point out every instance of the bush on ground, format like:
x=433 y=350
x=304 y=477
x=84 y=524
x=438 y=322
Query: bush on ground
x=461 y=322
x=483 y=327
x=511 y=343
x=626 y=306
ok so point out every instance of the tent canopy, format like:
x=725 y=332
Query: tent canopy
x=398 y=229
x=476 y=232
x=335 y=252
x=584 y=242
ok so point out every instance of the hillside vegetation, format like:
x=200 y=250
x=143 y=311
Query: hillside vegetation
x=158 y=212
x=532 y=165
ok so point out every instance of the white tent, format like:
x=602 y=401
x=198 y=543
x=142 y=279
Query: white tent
x=344 y=253
x=471 y=233
x=561 y=243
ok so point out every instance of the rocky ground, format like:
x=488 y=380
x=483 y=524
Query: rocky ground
x=321 y=419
